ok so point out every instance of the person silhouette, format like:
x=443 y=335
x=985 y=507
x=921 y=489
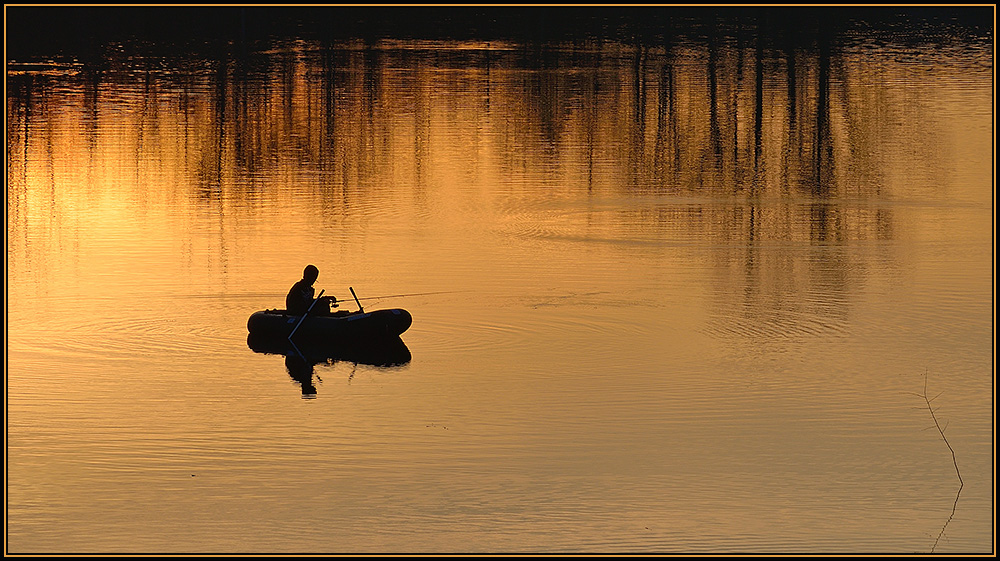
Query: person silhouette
x=301 y=296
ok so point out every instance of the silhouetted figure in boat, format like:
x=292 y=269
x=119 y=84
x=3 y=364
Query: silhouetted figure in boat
x=302 y=293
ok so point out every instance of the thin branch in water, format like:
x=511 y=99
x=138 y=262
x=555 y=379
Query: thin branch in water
x=954 y=460
x=941 y=431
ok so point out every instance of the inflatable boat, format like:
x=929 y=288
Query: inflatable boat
x=342 y=327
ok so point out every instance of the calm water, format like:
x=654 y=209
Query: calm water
x=675 y=297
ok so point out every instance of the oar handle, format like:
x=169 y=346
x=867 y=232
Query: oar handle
x=356 y=299
x=303 y=318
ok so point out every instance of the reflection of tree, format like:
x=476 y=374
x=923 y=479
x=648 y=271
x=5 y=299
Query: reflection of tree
x=347 y=111
x=823 y=158
x=713 y=96
x=773 y=127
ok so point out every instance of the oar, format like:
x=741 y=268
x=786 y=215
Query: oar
x=356 y=299
x=306 y=314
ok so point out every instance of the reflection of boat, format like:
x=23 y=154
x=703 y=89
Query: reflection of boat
x=384 y=351
x=341 y=327
x=300 y=358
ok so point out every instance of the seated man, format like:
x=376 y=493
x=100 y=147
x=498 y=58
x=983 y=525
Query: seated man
x=300 y=297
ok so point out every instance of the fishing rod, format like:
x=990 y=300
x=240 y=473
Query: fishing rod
x=362 y=309
x=405 y=295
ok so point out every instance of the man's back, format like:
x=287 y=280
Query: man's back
x=299 y=298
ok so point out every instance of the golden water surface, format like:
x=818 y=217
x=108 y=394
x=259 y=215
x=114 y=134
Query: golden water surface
x=675 y=298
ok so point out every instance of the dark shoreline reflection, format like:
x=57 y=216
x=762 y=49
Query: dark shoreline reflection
x=80 y=29
x=301 y=358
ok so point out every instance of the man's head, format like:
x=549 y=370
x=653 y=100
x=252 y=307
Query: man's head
x=310 y=274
